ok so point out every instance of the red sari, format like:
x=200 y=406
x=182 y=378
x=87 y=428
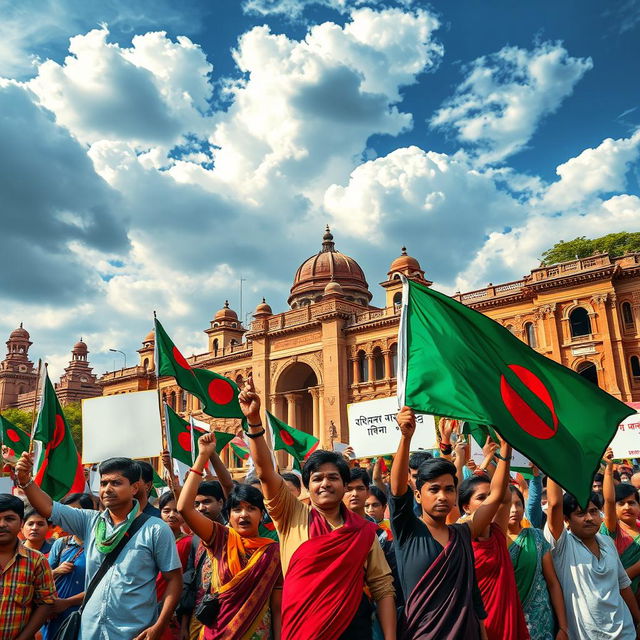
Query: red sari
x=497 y=583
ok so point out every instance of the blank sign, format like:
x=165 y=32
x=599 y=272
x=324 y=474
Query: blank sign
x=126 y=425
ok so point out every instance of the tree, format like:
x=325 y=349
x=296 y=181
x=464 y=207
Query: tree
x=615 y=244
x=21 y=418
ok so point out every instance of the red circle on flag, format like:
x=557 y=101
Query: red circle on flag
x=220 y=391
x=526 y=418
x=12 y=435
x=58 y=433
x=184 y=440
x=286 y=437
x=180 y=359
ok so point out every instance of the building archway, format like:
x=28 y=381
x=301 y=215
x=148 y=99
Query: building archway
x=588 y=370
x=297 y=397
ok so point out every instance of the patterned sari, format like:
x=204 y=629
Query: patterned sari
x=628 y=548
x=526 y=552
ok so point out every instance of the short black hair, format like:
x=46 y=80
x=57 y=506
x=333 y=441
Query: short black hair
x=146 y=471
x=252 y=478
x=616 y=476
x=29 y=512
x=165 y=498
x=83 y=499
x=517 y=491
x=11 y=503
x=320 y=457
x=378 y=494
x=434 y=468
x=245 y=493
x=358 y=473
x=293 y=478
x=624 y=490
x=598 y=477
x=127 y=467
x=417 y=458
x=468 y=488
x=570 y=502
x=211 y=488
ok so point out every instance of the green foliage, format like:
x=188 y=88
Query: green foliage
x=20 y=418
x=615 y=244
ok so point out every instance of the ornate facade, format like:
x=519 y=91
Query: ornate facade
x=333 y=348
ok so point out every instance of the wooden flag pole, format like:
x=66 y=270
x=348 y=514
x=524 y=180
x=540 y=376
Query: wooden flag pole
x=35 y=405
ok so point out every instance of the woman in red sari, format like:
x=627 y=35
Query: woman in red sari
x=245 y=569
x=494 y=569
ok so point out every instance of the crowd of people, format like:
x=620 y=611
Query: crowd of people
x=436 y=548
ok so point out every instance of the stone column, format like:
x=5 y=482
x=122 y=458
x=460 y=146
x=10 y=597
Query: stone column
x=550 y=323
x=609 y=380
x=315 y=398
x=355 y=370
x=292 y=409
x=388 y=364
x=370 y=367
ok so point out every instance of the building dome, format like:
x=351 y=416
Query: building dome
x=151 y=336
x=333 y=288
x=263 y=309
x=328 y=265
x=404 y=263
x=19 y=334
x=80 y=348
x=226 y=313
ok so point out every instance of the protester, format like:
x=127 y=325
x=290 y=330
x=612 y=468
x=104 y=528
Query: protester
x=245 y=567
x=621 y=513
x=35 y=530
x=635 y=480
x=26 y=582
x=293 y=482
x=596 y=486
x=328 y=553
x=596 y=588
x=123 y=605
x=375 y=506
x=435 y=561
x=68 y=562
x=536 y=580
x=357 y=492
x=145 y=489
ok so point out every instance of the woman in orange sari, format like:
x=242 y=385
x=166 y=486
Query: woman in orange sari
x=244 y=588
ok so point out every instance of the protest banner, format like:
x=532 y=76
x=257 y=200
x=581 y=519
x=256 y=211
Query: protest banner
x=121 y=425
x=6 y=484
x=373 y=430
x=626 y=443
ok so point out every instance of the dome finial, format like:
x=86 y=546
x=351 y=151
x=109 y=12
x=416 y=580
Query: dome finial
x=327 y=240
x=226 y=304
x=21 y=326
x=404 y=251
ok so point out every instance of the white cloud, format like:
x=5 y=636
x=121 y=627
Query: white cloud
x=295 y=8
x=505 y=95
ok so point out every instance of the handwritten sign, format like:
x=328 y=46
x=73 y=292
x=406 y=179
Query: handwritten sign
x=626 y=443
x=373 y=430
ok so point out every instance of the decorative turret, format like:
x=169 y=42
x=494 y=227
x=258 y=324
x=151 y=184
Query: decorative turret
x=225 y=331
x=404 y=265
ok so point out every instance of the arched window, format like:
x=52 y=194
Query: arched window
x=183 y=401
x=240 y=380
x=394 y=360
x=397 y=299
x=145 y=363
x=635 y=366
x=588 y=370
x=233 y=342
x=579 y=322
x=378 y=364
x=215 y=346
x=164 y=397
x=627 y=315
x=530 y=333
x=363 y=369
x=172 y=400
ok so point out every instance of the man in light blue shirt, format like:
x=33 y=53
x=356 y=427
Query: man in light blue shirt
x=124 y=605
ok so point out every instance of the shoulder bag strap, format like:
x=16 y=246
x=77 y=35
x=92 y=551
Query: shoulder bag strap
x=111 y=557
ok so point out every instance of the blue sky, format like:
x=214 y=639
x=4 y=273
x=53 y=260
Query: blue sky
x=152 y=153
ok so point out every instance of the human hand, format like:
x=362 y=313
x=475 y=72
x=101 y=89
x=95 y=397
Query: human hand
x=207 y=444
x=348 y=454
x=152 y=633
x=63 y=568
x=250 y=402
x=608 y=457
x=562 y=635
x=489 y=449
x=24 y=467
x=60 y=604
x=166 y=461
x=446 y=429
x=406 y=420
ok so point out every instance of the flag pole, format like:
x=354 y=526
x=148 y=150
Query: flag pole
x=35 y=404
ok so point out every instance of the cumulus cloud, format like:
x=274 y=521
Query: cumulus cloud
x=295 y=8
x=498 y=106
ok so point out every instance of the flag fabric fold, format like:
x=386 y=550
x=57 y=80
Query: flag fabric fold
x=298 y=444
x=456 y=362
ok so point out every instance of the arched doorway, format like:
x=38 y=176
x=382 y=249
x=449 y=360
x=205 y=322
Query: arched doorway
x=295 y=401
x=588 y=370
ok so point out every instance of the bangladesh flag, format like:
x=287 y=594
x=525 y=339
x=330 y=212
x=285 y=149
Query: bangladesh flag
x=14 y=438
x=285 y=438
x=457 y=362
x=158 y=483
x=221 y=395
x=59 y=466
x=170 y=362
x=240 y=448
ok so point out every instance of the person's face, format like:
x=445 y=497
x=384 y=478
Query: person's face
x=35 y=529
x=144 y=490
x=116 y=491
x=635 y=480
x=516 y=512
x=438 y=496
x=10 y=525
x=170 y=515
x=292 y=487
x=585 y=524
x=208 y=506
x=245 y=519
x=413 y=475
x=625 y=477
x=480 y=494
x=597 y=486
x=326 y=487
x=628 y=510
x=86 y=472
x=356 y=495
x=373 y=508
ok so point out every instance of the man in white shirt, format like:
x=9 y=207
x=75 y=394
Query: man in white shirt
x=599 y=602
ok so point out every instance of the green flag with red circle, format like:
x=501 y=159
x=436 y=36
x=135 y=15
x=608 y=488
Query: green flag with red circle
x=221 y=395
x=454 y=361
x=59 y=466
x=14 y=438
x=295 y=442
x=240 y=448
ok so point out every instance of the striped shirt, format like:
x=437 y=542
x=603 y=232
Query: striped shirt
x=25 y=582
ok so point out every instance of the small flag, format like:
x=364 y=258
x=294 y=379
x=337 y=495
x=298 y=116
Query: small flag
x=14 y=438
x=240 y=448
x=295 y=442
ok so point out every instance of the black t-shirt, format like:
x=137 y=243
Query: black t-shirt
x=416 y=548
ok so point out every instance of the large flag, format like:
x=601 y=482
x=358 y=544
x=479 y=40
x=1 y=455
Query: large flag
x=457 y=362
x=221 y=395
x=59 y=466
x=286 y=438
x=14 y=438
x=170 y=362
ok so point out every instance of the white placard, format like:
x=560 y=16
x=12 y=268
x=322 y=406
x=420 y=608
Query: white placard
x=127 y=425
x=626 y=443
x=339 y=447
x=6 y=484
x=373 y=430
x=517 y=459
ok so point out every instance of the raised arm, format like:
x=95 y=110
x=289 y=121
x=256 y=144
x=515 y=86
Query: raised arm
x=38 y=499
x=406 y=419
x=460 y=458
x=485 y=513
x=199 y=524
x=222 y=473
x=533 y=509
x=377 y=476
x=489 y=449
x=555 y=517
x=609 y=493
x=270 y=479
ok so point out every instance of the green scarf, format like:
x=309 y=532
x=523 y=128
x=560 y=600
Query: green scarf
x=106 y=544
x=524 y=555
